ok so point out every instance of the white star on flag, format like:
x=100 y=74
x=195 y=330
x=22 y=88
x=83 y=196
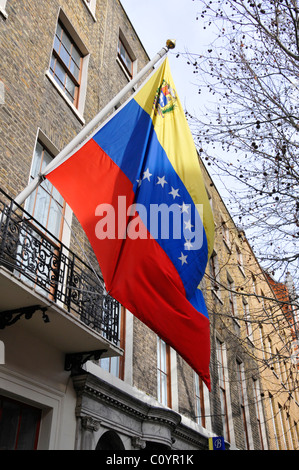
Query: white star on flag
x=161 y=181
x=188 y=244
x=188 y=225
x=183 y=258
x=184 y=208
x=174 y=192
x=147 y=174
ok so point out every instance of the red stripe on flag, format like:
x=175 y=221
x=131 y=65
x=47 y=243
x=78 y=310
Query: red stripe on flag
x=137 y=272
x=147 y=283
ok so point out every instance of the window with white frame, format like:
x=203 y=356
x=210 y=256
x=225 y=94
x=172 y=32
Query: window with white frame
x=2 y=8
x=125 y=56
x=91 y=6
x=223 y=387
x=296 y=432
x=214 y=275
x=210 y=199
x=274 y=421
x=45 y=204
x=260 y=419
x=283 y=434
x=247 y=319
x=226 y=235
x=240 y=259
x=232 y=302
x=163 y=372
x=115 y=365
x=242 y=400
x=254 y=286
x=262 y=341
x=199 y=400
x=69 y=65
x=290 y=432
x=66 y=64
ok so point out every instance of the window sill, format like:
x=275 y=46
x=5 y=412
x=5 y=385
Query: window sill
x=123 y=69
x=89 y=10
x=227 y=246
x=217 y=296
x=3 y=13
x=68 y=102
x=250 y=341
x=242 y=270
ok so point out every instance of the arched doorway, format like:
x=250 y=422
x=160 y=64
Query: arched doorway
x=110 y=440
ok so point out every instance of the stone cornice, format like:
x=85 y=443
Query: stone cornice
x=99 y=390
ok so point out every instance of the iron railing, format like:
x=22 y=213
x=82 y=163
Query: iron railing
x=34 y=255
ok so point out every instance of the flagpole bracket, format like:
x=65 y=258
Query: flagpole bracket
x=10 y=317
x=73 y=362
x=41 y=177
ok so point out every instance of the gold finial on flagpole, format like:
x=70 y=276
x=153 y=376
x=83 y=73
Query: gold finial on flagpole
x=170 y=43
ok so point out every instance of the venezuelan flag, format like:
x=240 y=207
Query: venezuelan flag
x=137 y=190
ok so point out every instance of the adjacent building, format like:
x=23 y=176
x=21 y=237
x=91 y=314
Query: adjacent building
x=78 y=370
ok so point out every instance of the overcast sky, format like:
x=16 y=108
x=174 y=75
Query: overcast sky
x=155 y=21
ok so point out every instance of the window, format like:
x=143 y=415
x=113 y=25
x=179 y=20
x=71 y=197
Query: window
x=296 y=432
x=240 y=260
x=221 y=364
x=69 y=65
x=274 y=423
x=271 y=358
x=254 y=286
x=231 y=299
x=2 y=8
x=259 y=413
x=210 y=198
x=45 y=204
x=110 y=364
x=40 y=235
x=247 y=320
x=19 y=425
x=261 y=330
x=91 y=6
x=283 y=427
x=115 y=365
x=163 y=372
x=226 y=235
x=290 y=432
x=242 y=399
x=232 y=303
x=66 y=63
x=199 y=401
x=125 y=56
x=214 y=275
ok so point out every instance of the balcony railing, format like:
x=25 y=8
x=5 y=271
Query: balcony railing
x=34 y=255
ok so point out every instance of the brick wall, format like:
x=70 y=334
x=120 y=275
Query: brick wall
x=31 y=101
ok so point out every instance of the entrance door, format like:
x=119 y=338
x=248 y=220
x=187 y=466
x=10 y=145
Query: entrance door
x=19 y=425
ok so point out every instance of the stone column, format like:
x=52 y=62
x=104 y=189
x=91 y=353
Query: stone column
x=89 y=425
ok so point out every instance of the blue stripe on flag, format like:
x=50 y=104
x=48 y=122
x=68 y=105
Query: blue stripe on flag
x=159 y=190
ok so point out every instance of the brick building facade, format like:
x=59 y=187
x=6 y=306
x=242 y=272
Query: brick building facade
x=61 y=63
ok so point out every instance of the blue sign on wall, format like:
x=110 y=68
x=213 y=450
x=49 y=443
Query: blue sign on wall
x=216 y=443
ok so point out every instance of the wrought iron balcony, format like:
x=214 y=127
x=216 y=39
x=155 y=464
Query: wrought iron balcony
x=35 y=256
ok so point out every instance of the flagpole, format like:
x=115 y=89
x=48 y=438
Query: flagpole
x=170 y=44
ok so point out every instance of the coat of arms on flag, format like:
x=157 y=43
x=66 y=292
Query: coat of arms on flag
x=165 y=99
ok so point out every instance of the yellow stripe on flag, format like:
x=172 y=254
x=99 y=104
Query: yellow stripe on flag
x=175 y=137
